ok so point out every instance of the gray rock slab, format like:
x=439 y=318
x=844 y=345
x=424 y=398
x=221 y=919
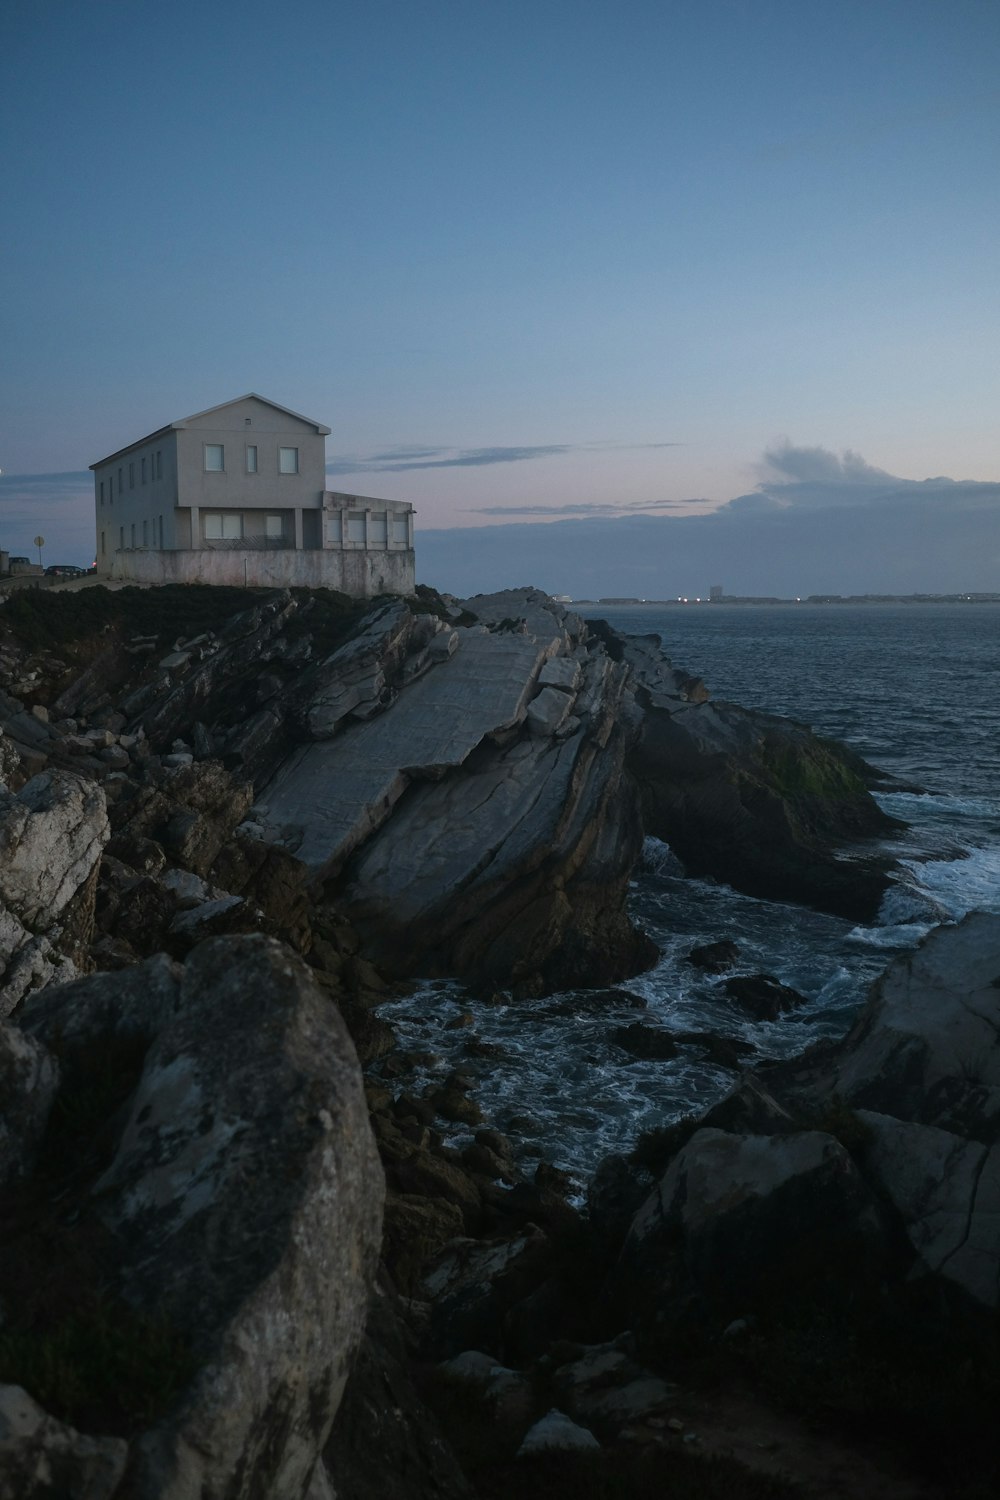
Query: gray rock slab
x=51 y=835
x=338 y=791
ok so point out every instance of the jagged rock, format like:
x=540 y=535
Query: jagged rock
x=645 y=1043
x=755 y=800
x=605 y=1388
x=44 y=1459
x=763 y=996
x=51 y=835
x=357 y=675
x=29 y=1079
x=947 y=1193
x=737 y=1218
x=556 y=1432
x=416 y=1229
x=472 y=1284
x=248 y=1129
x=715 y=958
x=385 y=1442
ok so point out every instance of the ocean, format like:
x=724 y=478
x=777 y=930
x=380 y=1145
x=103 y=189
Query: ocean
x=914 y=689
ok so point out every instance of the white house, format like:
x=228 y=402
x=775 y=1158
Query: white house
x=237 y=494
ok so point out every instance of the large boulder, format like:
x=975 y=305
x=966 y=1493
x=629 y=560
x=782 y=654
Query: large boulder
x=738 y=1221
x=927 y=1046
x=244 y=1197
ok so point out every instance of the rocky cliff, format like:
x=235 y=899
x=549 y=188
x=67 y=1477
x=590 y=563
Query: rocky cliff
x=229 y=819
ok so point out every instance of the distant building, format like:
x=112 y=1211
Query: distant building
x=237 y=494
x=715 y=594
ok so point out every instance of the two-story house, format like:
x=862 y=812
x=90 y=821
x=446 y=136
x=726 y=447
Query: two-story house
x=237 y=494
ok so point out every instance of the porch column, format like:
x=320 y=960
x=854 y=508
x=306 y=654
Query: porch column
x=298 y=528
x=195 y=528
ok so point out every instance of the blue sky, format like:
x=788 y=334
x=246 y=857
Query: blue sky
x=519 y=256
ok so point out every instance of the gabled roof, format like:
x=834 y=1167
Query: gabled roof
x=196 y=416
x=252 y=396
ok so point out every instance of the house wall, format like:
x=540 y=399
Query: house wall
x=139 y=485
x=250 y=423
x=361 y=574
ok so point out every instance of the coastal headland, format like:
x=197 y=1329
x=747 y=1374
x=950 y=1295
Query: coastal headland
x=244 y=1257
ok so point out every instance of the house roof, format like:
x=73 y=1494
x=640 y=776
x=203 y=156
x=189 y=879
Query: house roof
x=196 y=416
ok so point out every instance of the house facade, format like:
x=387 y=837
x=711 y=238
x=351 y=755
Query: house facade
x=237 y=495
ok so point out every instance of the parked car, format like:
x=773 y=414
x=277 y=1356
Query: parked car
x=65 y=570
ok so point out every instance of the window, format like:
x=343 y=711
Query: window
x=159 y=464
x=215 y=458
x=161 y=533
x=222 y=527
x=273 y=527
x=133 y=536
x=251 y=458
x=121 y=482
x=144 y=471
x=288 y=460
x=401 y=530
x=333 y=528
x=102 y=491
x=131 y=475
x=356 y=528
x=376 y=528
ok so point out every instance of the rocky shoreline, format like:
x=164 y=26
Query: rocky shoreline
x=233 y=824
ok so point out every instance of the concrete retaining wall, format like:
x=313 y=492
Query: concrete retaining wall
x=362 y=574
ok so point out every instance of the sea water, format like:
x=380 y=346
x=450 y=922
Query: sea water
x=914 y=689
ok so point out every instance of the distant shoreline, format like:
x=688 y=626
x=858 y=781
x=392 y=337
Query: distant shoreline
x=619 y=603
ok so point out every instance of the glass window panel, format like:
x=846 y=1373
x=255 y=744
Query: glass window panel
x=355 y=528
x=288 y=460
x=333 y=528
x=376 y=528
x=213 y=526
x=273 y=527
x=251 y=458
x=215 y=457
x=232 y=527
x=401 y=530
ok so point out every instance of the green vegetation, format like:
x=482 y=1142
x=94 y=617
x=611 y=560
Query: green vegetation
x=43 y=619
x=813 y=771
x=104 y=1366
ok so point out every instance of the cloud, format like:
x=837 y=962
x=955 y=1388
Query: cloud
x=817 y=479
x=43 y=489
x=404 y=460
x=818 y=523
x=586 y=508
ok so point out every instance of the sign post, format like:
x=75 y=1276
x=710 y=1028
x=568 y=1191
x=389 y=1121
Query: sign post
x=39 y=543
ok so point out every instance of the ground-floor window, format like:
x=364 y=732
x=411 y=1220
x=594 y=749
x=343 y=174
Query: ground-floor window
x=273 y=527
x=222 y=527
